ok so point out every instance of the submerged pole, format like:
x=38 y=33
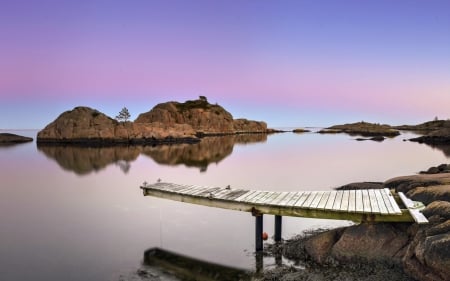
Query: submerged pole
x=278 y=222
x=258 y=232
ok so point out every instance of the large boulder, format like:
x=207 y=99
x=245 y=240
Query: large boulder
x=85 y=125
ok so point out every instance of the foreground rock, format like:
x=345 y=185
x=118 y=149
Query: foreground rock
x=363 y=129
x=170 y=122
x=7 y=138
x=420 y=251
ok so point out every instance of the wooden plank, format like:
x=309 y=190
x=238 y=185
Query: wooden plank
x=331 y=199
x=414 y=209
x=393 y=203
x=221 y=193
x=387 y=202
x=272 y=197
x=352 y=201
x=302 y=199
x=257 y=197
x=233 y=194
x=263 y=199
x=309 y=200
x=381 y=204
x=316 y=200
x=344 y=202
x=208 y=192
x=246 y=195
x=323 y=200
x=338 y=200
x=373 y=202
x=295 y=198
x=286 y=199
x=279 y=198
x=195 y=190
x=359 y=201
x=186 y=188
x=366 y=201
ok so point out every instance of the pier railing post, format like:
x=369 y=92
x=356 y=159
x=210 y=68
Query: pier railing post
x=278 y=222
x=258 y=232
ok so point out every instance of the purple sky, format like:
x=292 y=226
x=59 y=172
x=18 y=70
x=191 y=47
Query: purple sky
x=290 y=63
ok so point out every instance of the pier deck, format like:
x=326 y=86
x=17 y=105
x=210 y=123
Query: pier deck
x=368 y=205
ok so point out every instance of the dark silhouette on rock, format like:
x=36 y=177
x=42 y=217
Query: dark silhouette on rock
x=8 y=138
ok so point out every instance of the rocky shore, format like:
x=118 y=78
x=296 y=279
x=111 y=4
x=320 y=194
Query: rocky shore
x=435 y=132
x=378 y=251
x=170 y=122
x=7 y=138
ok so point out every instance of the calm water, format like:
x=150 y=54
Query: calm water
x=71 y=213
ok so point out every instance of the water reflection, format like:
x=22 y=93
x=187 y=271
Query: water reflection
x=83 y=160
x=445 y=148
x=188 y=268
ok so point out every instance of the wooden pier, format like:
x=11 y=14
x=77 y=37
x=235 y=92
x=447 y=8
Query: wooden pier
x=368 y=205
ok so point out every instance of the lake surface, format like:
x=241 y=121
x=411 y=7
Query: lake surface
x=76 y=213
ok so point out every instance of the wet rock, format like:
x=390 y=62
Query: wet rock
x=319 y=246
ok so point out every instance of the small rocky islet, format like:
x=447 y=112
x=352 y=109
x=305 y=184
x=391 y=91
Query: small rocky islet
x=170 y=122
x=8 y=139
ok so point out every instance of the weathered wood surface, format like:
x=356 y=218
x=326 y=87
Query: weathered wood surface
x=414 y=208
x=355 y=205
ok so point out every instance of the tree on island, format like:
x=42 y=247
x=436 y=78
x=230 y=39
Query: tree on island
x=203 y=98
x=124 y=115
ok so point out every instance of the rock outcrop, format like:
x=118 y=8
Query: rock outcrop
x=84 y=125
x=434 y=132
x=170 y=122
x=7 y=138
x=364 y=129
x=203 y=117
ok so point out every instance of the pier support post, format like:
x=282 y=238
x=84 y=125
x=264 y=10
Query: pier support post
x=278 y=221
x=258 y=232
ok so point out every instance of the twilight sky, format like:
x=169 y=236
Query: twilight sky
x=289 y=63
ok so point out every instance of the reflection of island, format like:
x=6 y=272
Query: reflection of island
x=445 y=148
x=187 y=268
x=209 y=150
x=83 y=160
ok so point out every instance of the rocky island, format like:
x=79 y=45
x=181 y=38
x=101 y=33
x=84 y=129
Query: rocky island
x=7 y=138
x=170 y=122
x=434 y=132
x=364 y=129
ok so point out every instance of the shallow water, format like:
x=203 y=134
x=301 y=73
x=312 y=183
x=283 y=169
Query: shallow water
x=77 y=213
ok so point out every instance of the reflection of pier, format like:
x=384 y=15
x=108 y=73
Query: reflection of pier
x=188 y=268
x=367 y=205
x=85 y=159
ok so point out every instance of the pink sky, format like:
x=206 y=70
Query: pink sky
x=289 y=63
